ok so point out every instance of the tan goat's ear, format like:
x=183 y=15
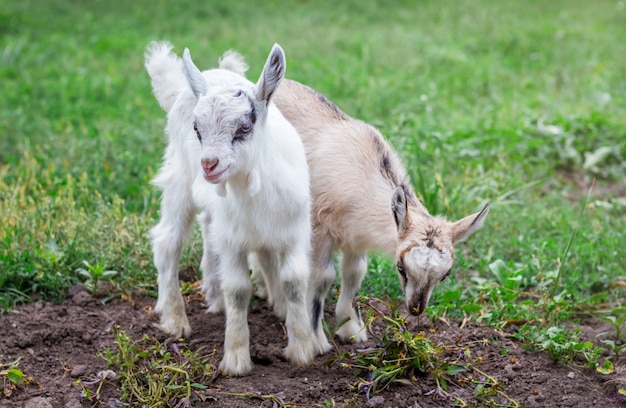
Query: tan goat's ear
x=465 y=227
x=398 y=208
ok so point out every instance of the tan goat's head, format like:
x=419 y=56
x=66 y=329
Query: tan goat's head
x=425 y=250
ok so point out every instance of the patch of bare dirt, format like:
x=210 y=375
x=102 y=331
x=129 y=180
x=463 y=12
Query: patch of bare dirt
x=59 y=343
x=581 y=183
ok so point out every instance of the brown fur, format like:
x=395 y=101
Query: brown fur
x=353 y=171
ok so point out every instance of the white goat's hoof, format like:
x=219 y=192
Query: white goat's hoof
x=173 y=317
x=260 y=292
x=215 y=308
x=215 y=304
x=352 y=331
x=236 y=363
x=322 y=346
x=300 y=353
x=176 y=326
x=280 y=310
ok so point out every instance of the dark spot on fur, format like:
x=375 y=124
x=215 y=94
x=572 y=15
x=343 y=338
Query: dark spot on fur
x=390 y=167
x=402 y=272
x=337 y=113
x=240 y=299
x=246 y=124
x=355 y=305
x=330 y=107
x=293 y=291
x=430 y=236
x=317 y=312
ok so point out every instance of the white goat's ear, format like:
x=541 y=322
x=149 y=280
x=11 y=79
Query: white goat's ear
x=465 y=227
x=254 y=181
x=221 y=189
x=398 y=208
x=194 y=76
x=273 y=73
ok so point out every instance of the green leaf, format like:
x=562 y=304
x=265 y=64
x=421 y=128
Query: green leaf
x=173 y=387
x=454 y=369
x=606 y=368
x=198 y=385
x=469 y=308
x=15 y=376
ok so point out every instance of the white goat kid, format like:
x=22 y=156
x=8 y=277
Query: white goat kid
x=362 y=201
x=233 y=157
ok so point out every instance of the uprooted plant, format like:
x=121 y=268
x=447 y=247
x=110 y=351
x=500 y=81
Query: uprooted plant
x=11 y=377
x=399 y=356
x=151 y=374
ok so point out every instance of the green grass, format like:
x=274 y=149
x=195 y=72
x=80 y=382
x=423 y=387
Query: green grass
x=486 y=102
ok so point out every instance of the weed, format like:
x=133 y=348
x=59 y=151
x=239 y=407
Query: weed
x=399 y=356
x=151 y=375
x=617 y=318
x=561 y=344
x=94 y=274
x=12 y=378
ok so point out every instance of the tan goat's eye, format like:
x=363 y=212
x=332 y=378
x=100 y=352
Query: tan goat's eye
x=401 y=271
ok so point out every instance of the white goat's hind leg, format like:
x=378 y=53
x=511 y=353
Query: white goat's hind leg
x=258 y=278
x=294 y=275
x=269 y=263
x=211 y=284
x=353 y=269
x=167 y=241
x=322 y=279
x=237 y=289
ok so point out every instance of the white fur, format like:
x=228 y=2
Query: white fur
x=250 y=186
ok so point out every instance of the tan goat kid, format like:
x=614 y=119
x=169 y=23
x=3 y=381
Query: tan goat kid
x=362 y=202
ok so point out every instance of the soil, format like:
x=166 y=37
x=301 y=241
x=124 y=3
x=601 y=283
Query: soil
x=58 y=345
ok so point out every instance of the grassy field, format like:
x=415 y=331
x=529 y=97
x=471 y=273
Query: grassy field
x=504 y=102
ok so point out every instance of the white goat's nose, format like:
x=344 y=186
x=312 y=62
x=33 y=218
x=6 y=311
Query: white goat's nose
x=209 y=165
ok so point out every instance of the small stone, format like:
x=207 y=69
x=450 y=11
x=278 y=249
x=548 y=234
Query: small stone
x=81 y=298
x=375 y=402
x=73 y=403
x=38 y=402
x=314 y=392
x=571 y=375
x=78 y=371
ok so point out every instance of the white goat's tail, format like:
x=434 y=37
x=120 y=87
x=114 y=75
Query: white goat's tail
x=233 y=61
x=166 y=73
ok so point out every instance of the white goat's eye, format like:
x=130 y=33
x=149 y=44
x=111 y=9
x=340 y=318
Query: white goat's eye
x=242 y=131
x=195 y=128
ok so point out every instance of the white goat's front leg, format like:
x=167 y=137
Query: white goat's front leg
x=267 y=263
x=294 y=275
x=211 y=283
x=168 y=237
x=322 y=280
x=353 y=269
x=237 y=289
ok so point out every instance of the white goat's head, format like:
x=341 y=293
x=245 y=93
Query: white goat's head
x=228 y=115
x=425 y=251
